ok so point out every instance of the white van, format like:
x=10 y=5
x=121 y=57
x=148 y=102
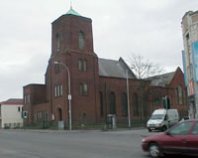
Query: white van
x=161 y=119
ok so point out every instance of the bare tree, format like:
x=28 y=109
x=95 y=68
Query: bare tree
x=143 y=68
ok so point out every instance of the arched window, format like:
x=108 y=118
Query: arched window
x=124 y=104
x=83 y=89
x=101 y=105
x=82 y=65
x=112 y=103
x=81 y=40
x=135 y=105
x=179 y=94
x=57 y=42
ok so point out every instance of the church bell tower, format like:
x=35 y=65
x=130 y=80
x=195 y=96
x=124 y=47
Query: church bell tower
x=72 y=32
x=72 y=46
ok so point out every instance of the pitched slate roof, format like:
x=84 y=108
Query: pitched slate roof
x=13 y=101
x=161 y=80
x=114 y=68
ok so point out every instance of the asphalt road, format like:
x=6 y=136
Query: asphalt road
x=74 y=144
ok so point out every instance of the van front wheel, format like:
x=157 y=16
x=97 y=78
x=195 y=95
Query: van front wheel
x=149 y=130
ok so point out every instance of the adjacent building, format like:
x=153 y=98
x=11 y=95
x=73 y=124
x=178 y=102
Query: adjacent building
x=190 y=59
x=82 y=89
x=170 y=86
x=11 y=112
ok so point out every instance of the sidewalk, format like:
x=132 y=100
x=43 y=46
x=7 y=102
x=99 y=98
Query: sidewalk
x=117 y=130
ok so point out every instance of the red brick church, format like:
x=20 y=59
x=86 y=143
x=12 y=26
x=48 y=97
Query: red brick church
x=84 y=89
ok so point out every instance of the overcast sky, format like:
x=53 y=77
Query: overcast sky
x=151 y=28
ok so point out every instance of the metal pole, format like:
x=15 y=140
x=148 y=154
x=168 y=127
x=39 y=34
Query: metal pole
x=69 y=98
x=128 y=103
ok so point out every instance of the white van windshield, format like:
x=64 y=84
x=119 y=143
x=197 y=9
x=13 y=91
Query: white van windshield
x=157 y=117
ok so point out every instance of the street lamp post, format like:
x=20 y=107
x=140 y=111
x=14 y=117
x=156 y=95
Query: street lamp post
x=69 y=96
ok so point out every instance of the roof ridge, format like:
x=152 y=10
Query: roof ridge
x=164 y=74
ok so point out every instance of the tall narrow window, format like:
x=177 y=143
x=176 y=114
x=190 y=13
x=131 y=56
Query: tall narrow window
x=27 y=98
x=112 y=103
x=136 y=104
x=179 y=94
x=83 y=89
x=58 y=90
x=61 y=90
x=55 y=91
x=57 y=42
x=81 y=40
x=101 y=105
x=82 y=65
x=124 y=104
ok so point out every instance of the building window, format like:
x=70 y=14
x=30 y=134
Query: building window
x=57 y=42
x=101 y=105
x=124 y=104
x=82 y=65
x=19 y=109
x=55 y=91
x=112 y=103
x=179 y=94
x=83 y=89
x=81 y=40
x=136 y=105
x=58 y=90
x=27 y=98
